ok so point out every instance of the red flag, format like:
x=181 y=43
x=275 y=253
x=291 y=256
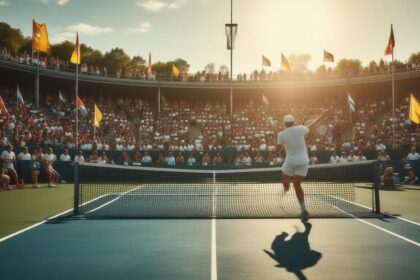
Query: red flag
x=3 y=109
x=391 y=43
x=81 y=106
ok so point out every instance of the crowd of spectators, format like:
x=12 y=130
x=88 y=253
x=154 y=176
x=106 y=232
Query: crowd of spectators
x=140 y=73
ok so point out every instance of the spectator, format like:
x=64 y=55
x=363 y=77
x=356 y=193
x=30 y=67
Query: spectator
x=360 y=156
x=351 y=157
x=379 y=145
x=137 y=158
x=343 y=157
x=8 y=157
x=93 y=158
x=124 y=158
x=413 y=155
x=278 y=159
x=334 y=158
x=313 y=159
x=390 y=178
x=52 y=175
x=4 y=180
x=79 y=157
x=217 y=159
x=191 y=159
x=411 y=178
x=247 y=160
x=35 y=166
x=24 y=155
x=258 y=157
x=103 y=159
x=206 y=158
x=180 y=158
x=170 y=159
x=65 y=155
x=146 y=158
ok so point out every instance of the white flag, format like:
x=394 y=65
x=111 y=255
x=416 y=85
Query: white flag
x=352 y=104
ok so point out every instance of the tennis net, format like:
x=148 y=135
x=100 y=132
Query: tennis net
x=113 y=191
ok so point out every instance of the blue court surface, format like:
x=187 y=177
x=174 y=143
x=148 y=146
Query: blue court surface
x=67 y=248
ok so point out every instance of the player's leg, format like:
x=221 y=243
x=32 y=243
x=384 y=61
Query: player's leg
x=300 y=173
x=285 y=179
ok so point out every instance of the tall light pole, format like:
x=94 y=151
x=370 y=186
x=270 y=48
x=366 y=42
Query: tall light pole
x=231 y=29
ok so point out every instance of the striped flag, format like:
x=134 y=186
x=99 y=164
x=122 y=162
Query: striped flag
x=352 y=104
x=19 y=97
x=391 y=43
x=75 y=56
x=3 y=109
x=265 y=61
x=61 y=97
x=81 y=106
x=97 y=117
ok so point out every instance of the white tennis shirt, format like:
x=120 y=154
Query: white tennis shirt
x=293 y=140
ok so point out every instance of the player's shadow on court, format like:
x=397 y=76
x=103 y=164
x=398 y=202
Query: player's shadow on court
x=294 y=254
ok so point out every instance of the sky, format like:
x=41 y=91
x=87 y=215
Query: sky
x=195 y=29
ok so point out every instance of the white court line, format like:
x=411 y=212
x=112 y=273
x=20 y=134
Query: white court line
x=380 y=228
x=213 y=271
x=115 y=199
x=44 y=221
x=386 y=214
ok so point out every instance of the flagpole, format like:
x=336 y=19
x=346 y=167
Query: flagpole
x=77 y=96
x=37 y=82
x=158 y=97
x=393 y=102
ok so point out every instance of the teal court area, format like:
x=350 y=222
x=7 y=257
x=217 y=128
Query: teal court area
x=68 y=248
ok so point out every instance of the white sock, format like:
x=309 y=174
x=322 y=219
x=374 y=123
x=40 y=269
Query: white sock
x=302 y=206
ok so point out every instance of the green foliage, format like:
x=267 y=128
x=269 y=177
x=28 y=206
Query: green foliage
x=414 y=58
x=348 y=67
x=10 y=38
x=116 y=59
x=62 y=50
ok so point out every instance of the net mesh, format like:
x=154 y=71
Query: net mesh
x=109 y=191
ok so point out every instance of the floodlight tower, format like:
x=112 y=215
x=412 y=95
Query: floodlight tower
x=231 y=29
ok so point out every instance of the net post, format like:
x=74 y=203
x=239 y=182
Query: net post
x=376 y=184
x=76 y=189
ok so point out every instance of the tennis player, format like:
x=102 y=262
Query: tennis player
x=295 y=166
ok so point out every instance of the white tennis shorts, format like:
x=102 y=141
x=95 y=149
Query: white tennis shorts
x=291 y=169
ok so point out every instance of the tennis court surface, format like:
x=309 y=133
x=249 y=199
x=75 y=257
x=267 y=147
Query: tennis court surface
x=216 y=225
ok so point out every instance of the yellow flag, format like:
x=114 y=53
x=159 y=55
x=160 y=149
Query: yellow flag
x=39 y=37
x=414 y=113
x=75 y=56
x=97 y=117
x=175 y=71
x=285 y=63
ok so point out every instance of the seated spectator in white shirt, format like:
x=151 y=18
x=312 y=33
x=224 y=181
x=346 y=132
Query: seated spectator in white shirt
x=313 y=159
x=380 y=146
x=191 y=159
x=79 y=157
x=334 y=158
x=146 y=158
x=24 y=155
x=343 y=158
x=360 y=156
x=8 y=157
x=65 y=155
x=170 y=159
x=258 y=157
x=413 y=155
x=351 y=157
x=246 y=160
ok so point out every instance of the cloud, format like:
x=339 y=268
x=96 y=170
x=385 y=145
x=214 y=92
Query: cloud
x=142 y=28
x=4 y=3
x=60 y=34
x=58 y=2
x=159 y=5
x=88 y=29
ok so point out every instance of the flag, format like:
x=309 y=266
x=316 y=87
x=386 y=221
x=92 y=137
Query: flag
x=391 y=43
x=39 y=37
x=328 y=57
x=149 y=68
x=3 y=109
x=75 y=56
x=414 y=113
x=61 y=97
x=175 y=71
x=265 y=61
x=19 y=97
x=81 y=106
x=352 y=104
x=285 y=63
x=265 y=100
x=97 y=117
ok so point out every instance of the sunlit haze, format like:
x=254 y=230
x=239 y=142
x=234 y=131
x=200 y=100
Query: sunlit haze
x=194 y=29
